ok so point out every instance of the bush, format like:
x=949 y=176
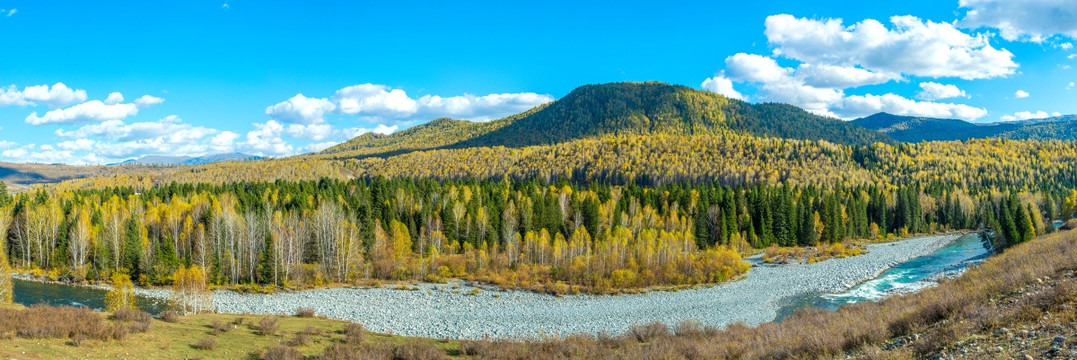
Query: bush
x=300 y=339
x=648 y=332
x=268 y=326
x=304 y=312
x=354 y=333
x=126 y=314
x=219 y=327
x=364 y=351
x=415 y=350
x=170 y=316
x=281 y=353
x=205 y=344
x=77 y=340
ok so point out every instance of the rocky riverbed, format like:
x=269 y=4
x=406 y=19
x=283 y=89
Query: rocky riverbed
x=450 y=311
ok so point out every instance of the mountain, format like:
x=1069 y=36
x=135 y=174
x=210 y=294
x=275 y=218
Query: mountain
x=616 y=108
x=187 y=160
x=916 y=129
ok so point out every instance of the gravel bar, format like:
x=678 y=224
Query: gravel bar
x=447 y=311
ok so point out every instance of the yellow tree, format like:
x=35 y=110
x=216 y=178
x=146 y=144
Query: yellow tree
x=122 y=295
x=190 y=291
x=6 y=286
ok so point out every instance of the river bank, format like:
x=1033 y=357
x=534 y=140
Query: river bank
x=458 y=311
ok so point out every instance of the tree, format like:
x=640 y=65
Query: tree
x=190 y=291
x=122 y=294
x=7 y=289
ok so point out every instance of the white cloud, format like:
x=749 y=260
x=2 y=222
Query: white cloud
x=57 y=96
x=779 y=84
x=301 y=110
x=1029 y=115
x=77 y=145
x=146 y=101
x=12 y=12
x=224 y=142
x=314 y=132
x=1027 y=20
x=1072 y=56
x=1065 y=46
x=480 y=108
x=912 y=46
x=722 y=85
x=935 y=91
x=375 y=100
x=1020 y=94
x=114 y=98
x=863 y=105
x=380 y=103
x=4 y=144
x=93 y=110
x=841 y=76
x=1070 y=86
x=266 y=140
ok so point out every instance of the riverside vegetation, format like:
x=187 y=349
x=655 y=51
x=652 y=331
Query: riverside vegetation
x=979 y=311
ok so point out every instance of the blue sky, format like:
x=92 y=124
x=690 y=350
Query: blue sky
x=91 y=83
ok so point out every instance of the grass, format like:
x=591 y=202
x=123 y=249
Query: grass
x=184 y=338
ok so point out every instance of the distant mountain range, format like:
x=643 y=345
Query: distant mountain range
x=187 y=160
x=616 y=108
x=916 y=129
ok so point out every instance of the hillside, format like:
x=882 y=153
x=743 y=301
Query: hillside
x=617 y=108
x=917 y=129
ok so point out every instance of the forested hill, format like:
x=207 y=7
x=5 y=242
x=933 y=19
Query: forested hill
x=616 y=108
x=916 y=129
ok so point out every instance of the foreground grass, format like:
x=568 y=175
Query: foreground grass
x=181 y=339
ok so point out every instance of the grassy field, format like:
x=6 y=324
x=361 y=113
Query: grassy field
x=179 y=340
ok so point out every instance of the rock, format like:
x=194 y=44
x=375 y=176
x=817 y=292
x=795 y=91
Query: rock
x=1060 y=339
x=1029 y=357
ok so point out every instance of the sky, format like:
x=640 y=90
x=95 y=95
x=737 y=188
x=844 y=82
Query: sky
x=85 y=82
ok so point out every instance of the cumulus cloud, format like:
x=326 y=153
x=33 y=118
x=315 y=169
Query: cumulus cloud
x=722 y=85
x=12 y=12
x=863 y=105
x=911 y=46
x=1020 y=94
x=384 y=104
x=1070 y=86
x=93 y=110
x=1029 y=115
x=301 y=110
x=779 y=84
x=58 y=95
x=171 y=127
x=375 y=100
x=1029 y=20
x=266 y=140
x=146 y=101
x=114 y=98
x=935 y=91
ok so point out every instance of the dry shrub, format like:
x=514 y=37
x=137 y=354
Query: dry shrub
x=170 y=316
x=131 y=315
x=354 y=333
x=647 y=332
x=205 y=344
x=312 y=331
x=219 y=327
x=300 y=339
x=268 y=326
x=305 y=312
x=281 y=353
x=238 y=321
x=77 y=340
x=361 y=351
x=419 y=351
x=47 y=322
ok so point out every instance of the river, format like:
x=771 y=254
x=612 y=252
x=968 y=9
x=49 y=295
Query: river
x=906 y=277
x=768 y=293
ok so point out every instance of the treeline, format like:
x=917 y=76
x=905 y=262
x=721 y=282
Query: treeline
x=558 y=237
